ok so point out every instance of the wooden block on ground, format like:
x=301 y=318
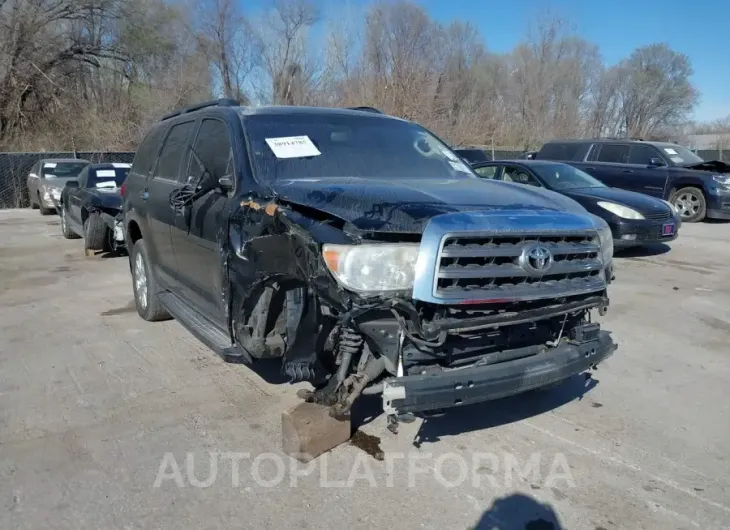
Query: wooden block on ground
x=308 y=430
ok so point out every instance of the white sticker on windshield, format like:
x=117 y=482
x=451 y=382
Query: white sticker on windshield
x=50 y=164
x=106 y=184
x=121 y=165
x=677 y=159
x=292 y=147
x=459 y=166
x=106 y=173
x=670 y=151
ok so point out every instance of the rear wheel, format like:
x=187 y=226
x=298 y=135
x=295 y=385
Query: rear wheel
x=95 y=232
x=65 y=228
x=690 y=204
x=145 y=285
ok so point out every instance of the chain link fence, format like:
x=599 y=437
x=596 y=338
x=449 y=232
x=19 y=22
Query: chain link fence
x=14 y=169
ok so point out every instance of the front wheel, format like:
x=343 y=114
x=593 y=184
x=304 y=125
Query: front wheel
x=145 y=286
x=95 y=232
x=690 y=204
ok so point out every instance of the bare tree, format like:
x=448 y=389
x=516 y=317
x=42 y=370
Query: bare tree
x=655 y=89
x=230 y=44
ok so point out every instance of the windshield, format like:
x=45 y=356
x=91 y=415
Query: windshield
x=107 y=178
x=62 y=169
x=563 y=177
x=299 y=146
x=680 y=155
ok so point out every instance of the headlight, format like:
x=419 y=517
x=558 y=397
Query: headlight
x=56 y=194
x=622 y=211
x=372 y=267
x=606 y=237
x=722 y=179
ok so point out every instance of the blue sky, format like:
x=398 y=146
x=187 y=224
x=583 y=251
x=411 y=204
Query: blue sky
x=696 y=28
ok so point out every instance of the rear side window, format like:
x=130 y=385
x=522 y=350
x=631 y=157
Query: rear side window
x=560 y=151
x=614 y=153
x=173 y=150
x=147 y=151
x=642 y=154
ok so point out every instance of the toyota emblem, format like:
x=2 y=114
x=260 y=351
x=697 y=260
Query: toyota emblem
x=536 y=260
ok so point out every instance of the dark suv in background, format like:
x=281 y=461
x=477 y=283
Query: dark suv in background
x=696 y=188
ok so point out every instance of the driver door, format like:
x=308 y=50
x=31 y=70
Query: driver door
x=204 y=224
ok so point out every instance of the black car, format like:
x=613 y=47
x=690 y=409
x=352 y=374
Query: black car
x=695 y=187
x=635 y=219
x=91 y=207
x=472 y=155
x=364 y=254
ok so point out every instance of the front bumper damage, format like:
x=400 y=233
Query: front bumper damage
x=485 y=382
x=448 y=362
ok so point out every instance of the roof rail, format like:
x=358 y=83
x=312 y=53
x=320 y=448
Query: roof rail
x=366 y=109
x=223 y=102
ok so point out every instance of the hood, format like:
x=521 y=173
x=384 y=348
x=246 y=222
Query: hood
x=111 y=198
x=638 y=201
x=715 y=166
x=406 y=205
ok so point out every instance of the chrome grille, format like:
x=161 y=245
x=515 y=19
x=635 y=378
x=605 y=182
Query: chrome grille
x=493 y=266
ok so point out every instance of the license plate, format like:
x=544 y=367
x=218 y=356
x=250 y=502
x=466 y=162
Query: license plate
x=668 y=229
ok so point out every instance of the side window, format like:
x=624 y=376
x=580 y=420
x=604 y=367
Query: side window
x=487 y=172
x=642 y=154
x=615 y=153
x=83 y=177
x=560 y=151
x=173 y=151
x=146 y=154
x=519 y=175
x=213 y=147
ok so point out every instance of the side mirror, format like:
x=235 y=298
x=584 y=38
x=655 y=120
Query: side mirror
x=72 y=184
x=656 y=162
x=226 y=183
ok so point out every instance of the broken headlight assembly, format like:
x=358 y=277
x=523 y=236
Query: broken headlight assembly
x=372 y=268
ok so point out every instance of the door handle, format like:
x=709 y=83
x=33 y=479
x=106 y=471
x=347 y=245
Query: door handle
x=628 y=171
x=590 y=168
x=144 y=194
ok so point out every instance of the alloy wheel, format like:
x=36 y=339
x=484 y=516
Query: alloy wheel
x=687 y=204
x=140 y=280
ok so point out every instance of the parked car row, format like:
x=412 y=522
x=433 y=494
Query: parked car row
x=87 y=197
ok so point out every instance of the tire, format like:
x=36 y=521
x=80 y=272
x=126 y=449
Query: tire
x=145 y=289
x=65 y=229
x=95 y=232
x=690 y=204
x=43 y=209
x=33 y=205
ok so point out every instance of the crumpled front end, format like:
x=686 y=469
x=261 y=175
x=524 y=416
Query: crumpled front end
x=514 y=291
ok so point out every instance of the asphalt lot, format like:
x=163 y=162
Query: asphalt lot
x=93 y=398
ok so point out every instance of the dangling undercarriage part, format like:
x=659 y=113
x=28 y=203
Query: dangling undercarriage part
x=341 y=390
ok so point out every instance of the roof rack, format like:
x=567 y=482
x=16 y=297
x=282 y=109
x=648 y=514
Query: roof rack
x=366 y=109
x=223 y=102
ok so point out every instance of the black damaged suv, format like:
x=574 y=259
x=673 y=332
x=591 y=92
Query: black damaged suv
x=361 y=251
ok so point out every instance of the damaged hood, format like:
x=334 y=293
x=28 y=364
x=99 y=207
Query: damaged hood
x=406 y=205
x=715 y=166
